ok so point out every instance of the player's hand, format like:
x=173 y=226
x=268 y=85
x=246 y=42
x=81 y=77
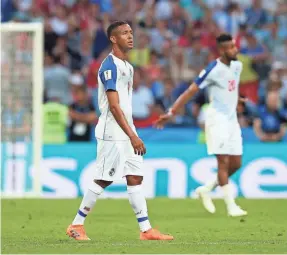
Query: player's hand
x=162 y=120
x=243 y=99
x=138 y=145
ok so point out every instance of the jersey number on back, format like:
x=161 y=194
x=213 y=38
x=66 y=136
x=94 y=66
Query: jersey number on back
x=231 y=85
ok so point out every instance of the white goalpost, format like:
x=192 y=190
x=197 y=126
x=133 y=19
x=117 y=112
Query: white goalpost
x=21 y=109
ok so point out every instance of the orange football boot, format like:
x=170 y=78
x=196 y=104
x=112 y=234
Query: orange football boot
x=154 y=234
x=77 y=232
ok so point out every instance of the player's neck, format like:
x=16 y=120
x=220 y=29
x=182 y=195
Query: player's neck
x=120 y=54
x=225 y=61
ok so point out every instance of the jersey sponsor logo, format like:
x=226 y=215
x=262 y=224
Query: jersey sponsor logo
x=108 y=75
x=231 y=85
x=202 y=73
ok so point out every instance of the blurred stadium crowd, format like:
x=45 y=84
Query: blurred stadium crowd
x=174 y=40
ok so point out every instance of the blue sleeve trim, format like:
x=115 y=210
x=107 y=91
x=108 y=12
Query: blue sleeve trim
x=208 y=69
x=108 y=74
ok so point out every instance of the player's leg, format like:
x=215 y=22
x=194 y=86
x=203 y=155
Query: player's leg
x=235 y=161
x=134 y=177
x=233 y=209
x=109 y=162
x=223 y=176
x=76 y=229
x=138 y=201
x=234 y=165
x=89 y=200
x=212 y=139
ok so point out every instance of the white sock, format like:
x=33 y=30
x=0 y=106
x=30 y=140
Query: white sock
x=138 y=203
x=88 y=203
x=227 y=195
x=211 y=185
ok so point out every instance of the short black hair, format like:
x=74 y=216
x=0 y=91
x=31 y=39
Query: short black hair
x=114 y=25
x=223 y=38
x=57 y=58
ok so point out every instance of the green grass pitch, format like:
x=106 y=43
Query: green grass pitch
x=38 y=226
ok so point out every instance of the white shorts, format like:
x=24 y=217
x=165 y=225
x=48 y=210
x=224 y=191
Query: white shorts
x=116 y=159
x=223 y=138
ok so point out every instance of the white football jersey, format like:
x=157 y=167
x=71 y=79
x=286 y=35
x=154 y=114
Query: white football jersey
x=114 y=74
x=222 y=83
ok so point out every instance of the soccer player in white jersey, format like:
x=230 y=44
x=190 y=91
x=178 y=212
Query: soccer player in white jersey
x=221 y=78
x=119 y=149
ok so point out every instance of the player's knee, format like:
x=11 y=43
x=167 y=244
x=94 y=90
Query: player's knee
x=133 y=180
x=103 y=183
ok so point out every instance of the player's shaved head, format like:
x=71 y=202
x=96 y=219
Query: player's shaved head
x=113 y=27
x=223 y=38
x=226 y=46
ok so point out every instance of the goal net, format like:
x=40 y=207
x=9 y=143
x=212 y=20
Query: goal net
x=21 y=108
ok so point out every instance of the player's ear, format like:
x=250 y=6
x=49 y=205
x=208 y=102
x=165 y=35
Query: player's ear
x=113 y=39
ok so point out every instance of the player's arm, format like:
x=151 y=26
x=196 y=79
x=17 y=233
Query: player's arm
x=203 y=80
x=114 y=105
x=258 y=130
x=89 y=118
x=281 y=133
x=179 y=103
x=242 y=99
x=109 y=80
x=184 y=98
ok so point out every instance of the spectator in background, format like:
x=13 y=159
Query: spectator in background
x=159 y=35
x=140 y=55
x=145 y=17
x=230 y=20
x=280 y=53
x=153 y=69
x=240 y=38
x=7 y=10
x=100 y=41
x=269 y=126
x=55 y=120
x=142 y=102
x=195 y=9
x=73 y=34
x=76 y=80
x=85 y=50
x=257 y=61
x=196 y=56
x=50 y=37
x=92 y=81
x=244 y=115
x=56 y=81
x=271 y=36
x=163 y=10
x=168 y=98
x=83 y=116
x=178 y=21
x=256 y=15
x=59 y=22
